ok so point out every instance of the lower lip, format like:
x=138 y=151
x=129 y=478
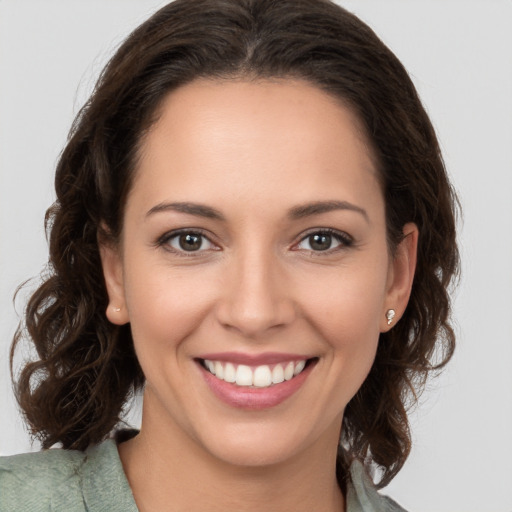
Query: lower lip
x=245 y=397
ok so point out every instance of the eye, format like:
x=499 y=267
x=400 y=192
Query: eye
x=324 y=240
x=187 y=241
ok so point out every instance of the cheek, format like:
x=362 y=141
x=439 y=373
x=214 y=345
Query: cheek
x=345 y=311
x=349 y=323
x=347 y=305
x=165 y=305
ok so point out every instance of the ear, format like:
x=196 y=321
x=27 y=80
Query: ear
x=401 y=276
x=112 y=264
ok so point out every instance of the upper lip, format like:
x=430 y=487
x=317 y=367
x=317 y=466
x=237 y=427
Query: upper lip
x=254 y=359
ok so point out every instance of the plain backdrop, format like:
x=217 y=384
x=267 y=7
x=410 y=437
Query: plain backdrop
x=459 y=54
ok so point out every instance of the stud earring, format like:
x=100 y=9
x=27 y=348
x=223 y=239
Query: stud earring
x=390 y=314
x=117 y=309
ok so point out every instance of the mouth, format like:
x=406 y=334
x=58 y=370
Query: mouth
x=245 y=383
x=261 y=376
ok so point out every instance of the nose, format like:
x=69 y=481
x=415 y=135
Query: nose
x=257 y=297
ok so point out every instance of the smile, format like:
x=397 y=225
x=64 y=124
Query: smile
x=255 y=382
x=262 y=376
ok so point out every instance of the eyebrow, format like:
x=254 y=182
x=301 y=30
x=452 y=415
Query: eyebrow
x=295 y=213
x=319 y=207
x=190 y=208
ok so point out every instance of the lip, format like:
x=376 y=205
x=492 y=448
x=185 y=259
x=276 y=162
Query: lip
x=253 y=398
x=254 y=359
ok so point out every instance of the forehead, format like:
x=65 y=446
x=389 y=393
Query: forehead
x=247 y=137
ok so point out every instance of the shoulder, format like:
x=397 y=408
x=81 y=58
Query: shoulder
x=362 y=496
x=65 y=480
x=29 y=481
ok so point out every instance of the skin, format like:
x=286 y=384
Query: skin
x=253 y=151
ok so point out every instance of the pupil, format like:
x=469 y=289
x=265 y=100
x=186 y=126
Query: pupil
x=320 y=242
x=190 y=242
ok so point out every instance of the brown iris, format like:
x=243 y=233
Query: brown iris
x=190 y=242
x=320 y=241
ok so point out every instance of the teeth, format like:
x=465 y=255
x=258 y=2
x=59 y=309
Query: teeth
x=219 y=370
x=277 y=374
x=260 y=376
x=299 y=367
x=243 y=375
x=229 y=373
x=288 y=371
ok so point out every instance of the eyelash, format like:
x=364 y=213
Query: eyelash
x=344 y=240
x=164 y=241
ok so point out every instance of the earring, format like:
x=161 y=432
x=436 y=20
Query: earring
x=117 y=309
x=390 y=314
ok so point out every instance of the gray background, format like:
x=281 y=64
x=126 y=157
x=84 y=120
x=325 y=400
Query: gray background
x=459 y=54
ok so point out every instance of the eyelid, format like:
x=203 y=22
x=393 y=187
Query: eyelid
x=163 y=241
x=342 y=237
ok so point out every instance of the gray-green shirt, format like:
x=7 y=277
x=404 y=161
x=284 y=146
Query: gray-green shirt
x=94 y=481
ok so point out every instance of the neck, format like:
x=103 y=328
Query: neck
x=167 y=470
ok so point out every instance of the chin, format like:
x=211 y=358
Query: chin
x=260 y=444
x=254 y=454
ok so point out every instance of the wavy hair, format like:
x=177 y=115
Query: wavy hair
x=74 y=392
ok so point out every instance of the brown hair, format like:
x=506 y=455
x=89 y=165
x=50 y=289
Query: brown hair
x=75 y=391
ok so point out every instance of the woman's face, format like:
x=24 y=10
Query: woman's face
x=254 y=247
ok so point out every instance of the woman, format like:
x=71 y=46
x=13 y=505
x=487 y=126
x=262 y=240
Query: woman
x=253 y=221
